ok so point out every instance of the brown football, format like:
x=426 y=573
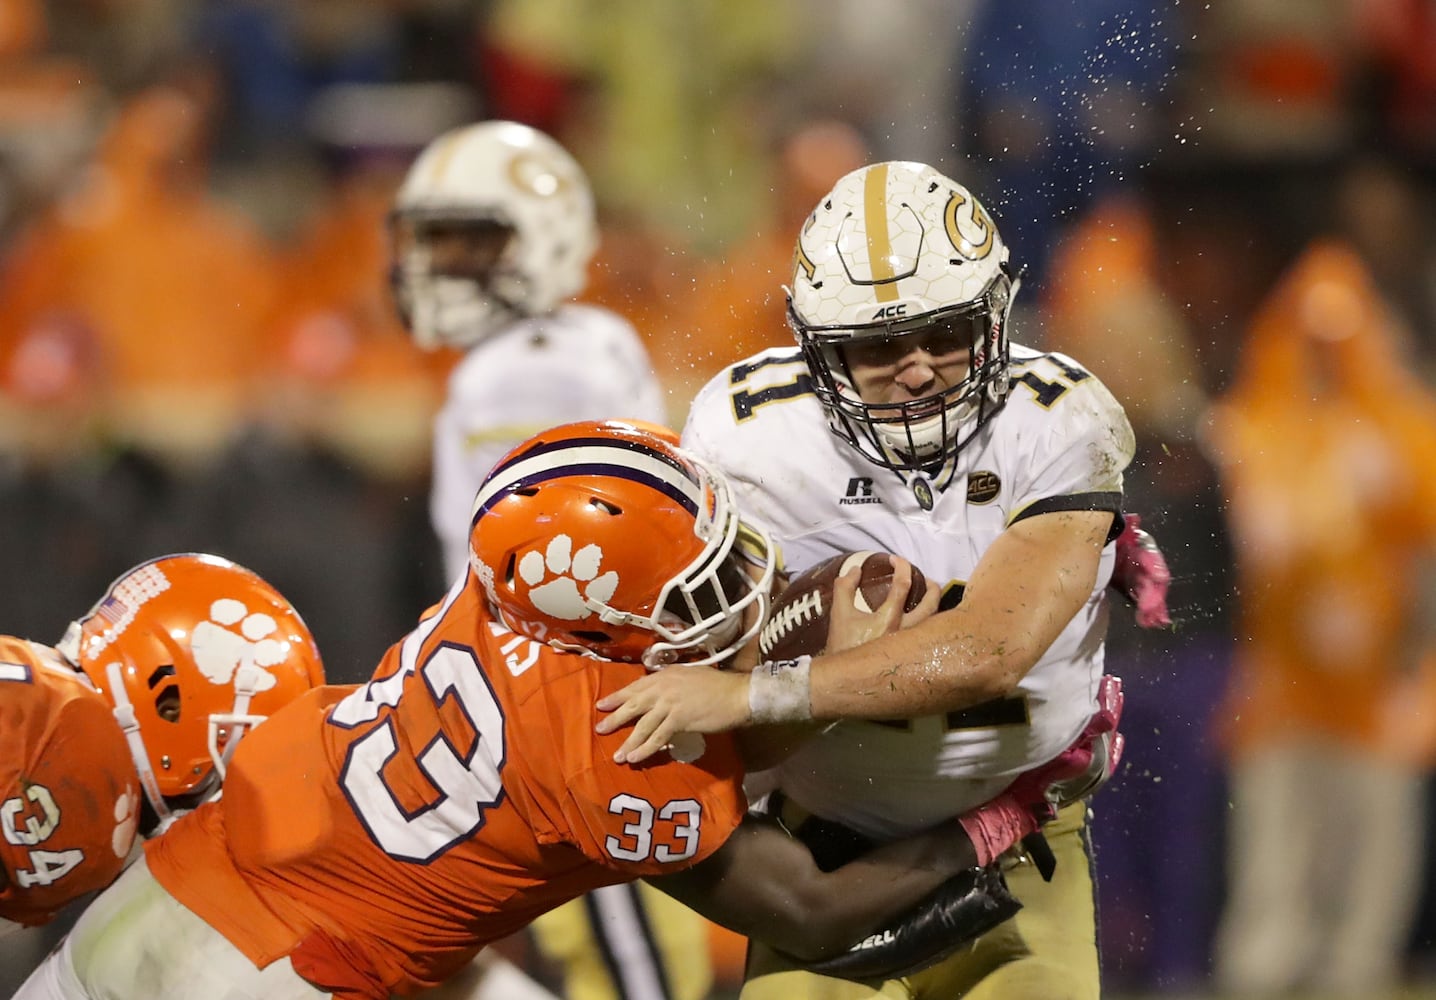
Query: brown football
x=798 y=622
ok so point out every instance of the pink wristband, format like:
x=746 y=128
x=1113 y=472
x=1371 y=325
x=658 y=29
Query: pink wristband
x=995 y=826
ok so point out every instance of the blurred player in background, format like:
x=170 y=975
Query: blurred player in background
x=492 y=233
x=493 y=230
x=131 y=720
x=907 y=422
x=372 y=839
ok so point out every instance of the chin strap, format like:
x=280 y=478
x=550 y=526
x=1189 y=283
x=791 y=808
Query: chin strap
x=239 y=720
x=125 y=715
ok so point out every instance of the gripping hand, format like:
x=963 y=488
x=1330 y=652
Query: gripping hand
x=1141 y=574
x=1033 y=799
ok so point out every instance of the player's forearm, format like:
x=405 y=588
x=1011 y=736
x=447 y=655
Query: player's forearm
x=939 y=666
x=849 y=903
x=839 y=908
x=763 y=884
x=1036 y=578
x=950 y=662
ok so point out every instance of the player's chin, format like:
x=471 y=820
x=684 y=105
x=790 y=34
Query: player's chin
x=745 y=657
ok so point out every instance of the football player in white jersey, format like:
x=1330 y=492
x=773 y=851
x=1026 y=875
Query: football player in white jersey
x=907 y=422
x=492 y=232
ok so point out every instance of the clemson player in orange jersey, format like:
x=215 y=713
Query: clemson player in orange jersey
x=129 y=720
x=69 y=796
x=371 y=840
x=192 y=651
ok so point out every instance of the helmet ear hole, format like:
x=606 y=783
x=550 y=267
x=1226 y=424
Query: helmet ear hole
x=509 y=565
x=167 y=703
x=595 y=637
x=167 y=697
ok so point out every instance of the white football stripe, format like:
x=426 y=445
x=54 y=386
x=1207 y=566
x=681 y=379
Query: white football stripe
x=645 y=464
x=857 y=559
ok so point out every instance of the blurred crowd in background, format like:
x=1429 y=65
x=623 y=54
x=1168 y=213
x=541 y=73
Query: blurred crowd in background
x=1223 y=209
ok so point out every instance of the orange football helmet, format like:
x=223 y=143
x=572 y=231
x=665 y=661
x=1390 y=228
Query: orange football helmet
x=605 y=537
x=192 y=651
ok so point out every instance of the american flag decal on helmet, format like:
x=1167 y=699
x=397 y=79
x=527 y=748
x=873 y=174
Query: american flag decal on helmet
x=119 y=607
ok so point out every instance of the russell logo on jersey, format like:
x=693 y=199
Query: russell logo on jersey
x=860 y=490
x=982 y=488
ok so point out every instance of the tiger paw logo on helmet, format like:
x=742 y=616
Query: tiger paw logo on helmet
x=127 y=822
x=560 y=595
x=219 y=651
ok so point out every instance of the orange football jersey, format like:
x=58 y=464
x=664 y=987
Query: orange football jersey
x=381 y=835
x=69 y=796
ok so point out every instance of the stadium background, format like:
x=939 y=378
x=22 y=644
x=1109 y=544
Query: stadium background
x=197 y=349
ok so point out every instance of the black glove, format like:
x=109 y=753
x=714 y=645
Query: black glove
x=960 y=910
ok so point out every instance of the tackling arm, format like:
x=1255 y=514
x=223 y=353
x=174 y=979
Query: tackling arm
x=764 y=884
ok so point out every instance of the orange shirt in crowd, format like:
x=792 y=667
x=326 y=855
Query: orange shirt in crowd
x=1105 y=306
x=1326 y=446
x=171 y=287
x=738 y=304
x=339 y=365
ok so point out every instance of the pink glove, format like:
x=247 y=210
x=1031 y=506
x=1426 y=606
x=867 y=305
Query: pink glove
x=1035 y=796
x=1141 y=574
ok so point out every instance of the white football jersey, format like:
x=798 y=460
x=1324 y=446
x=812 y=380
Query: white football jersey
x=1061 y=443
x=579 y=362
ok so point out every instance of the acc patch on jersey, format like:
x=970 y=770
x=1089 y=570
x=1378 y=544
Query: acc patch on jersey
x=982 y=487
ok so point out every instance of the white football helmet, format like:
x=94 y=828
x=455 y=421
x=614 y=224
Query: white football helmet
x=897 y=249
x=524 y=208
